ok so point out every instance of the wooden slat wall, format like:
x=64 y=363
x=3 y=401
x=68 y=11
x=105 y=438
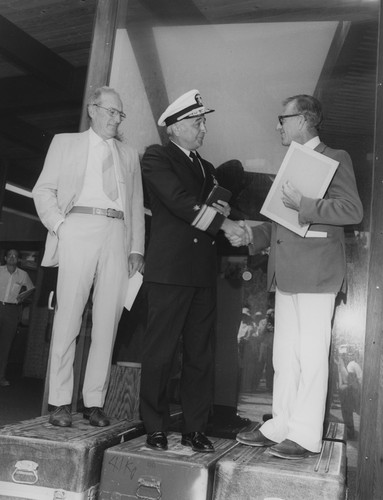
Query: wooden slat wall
x=370 y=453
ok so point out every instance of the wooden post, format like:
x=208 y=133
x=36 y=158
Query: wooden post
x=101 y=51
x=370 y=453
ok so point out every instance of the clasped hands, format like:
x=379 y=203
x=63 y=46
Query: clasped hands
x=237 y=232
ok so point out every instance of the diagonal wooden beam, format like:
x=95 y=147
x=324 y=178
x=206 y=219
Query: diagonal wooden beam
x=16 y=91
x=26 y=135
x=175 y=11
x=146 y=55
x=332 y=59
x=3 y=177
x=101 y=52
x=34 y=57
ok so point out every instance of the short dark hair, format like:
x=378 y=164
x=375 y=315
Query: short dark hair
x=12 y=250
x=309 y=106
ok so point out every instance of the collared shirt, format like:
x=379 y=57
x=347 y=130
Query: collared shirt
x=92 y=193
x=187 y=153
x=312 y=143
x=10 y=284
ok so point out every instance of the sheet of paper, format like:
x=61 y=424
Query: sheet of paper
x=134 y=284
x=316 y=234
x=308 y=171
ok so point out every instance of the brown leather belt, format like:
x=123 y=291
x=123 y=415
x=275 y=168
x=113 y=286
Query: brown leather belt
x=8 y=304
x=107 y=212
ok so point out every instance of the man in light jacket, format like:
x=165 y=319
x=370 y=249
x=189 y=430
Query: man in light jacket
x=89 y=196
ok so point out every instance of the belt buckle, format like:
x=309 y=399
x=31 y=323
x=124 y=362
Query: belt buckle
x=110 y=212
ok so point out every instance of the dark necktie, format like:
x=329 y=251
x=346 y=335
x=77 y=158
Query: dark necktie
x=196 y=163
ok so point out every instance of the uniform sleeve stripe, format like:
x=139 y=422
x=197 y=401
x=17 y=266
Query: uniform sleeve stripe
x=204 y=218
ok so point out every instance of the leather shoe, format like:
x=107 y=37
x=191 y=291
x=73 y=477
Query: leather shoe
x=290 y=450
x=198 y=442
x=96 y=416
x=157 y=440
x=61 y=416
x=254 y=438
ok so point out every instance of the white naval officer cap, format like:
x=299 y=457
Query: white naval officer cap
x=188 y=105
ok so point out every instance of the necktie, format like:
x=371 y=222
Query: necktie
x=109 y=182
x=196 y=163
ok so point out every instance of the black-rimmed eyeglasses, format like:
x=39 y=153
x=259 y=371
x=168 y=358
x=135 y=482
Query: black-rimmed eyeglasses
x=282 y=117
x=112 y=112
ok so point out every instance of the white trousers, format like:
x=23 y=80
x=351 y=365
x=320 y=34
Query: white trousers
x=91 y=251
x=302 y=339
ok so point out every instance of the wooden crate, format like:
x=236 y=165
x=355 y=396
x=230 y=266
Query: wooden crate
x=43 y=462
x=123 y=396
x=251 y=473
x=131 y=470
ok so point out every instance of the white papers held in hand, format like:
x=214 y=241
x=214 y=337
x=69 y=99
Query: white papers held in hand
x=308 y=171
x=134 y=284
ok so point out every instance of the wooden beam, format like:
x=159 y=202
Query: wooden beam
x=355 y=13
x=185 y=12
x=16 y=91
x=3 y=177
x=26 y=135
x=101 y=52
x=148 y=61
x=330 y=64
x=370 y=452
x=25 y=172
x=175 y=12
x=20 y=203
x=33 y=56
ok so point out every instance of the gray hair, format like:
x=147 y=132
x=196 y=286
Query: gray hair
x=97 y=94
x=309 y=106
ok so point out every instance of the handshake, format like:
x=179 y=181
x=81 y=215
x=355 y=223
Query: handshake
x=237 y=232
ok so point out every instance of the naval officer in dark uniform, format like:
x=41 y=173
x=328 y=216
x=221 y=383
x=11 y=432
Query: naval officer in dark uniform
x=181 y=274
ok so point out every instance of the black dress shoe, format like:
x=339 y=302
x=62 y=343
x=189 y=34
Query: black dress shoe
x=157 y=440
x=198 y=442
x=96 y=416
x=61 y=416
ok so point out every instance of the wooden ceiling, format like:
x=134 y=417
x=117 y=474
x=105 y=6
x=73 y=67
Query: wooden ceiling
x=45 y=46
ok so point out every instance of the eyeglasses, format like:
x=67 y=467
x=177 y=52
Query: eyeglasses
x=113 y=112
x=282 y=117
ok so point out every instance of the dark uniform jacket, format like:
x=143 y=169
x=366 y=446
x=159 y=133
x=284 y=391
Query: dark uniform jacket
x=182 y=248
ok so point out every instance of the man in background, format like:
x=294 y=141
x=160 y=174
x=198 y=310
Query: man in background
x=181 y=274
x=89 y=196
x=306 y=274
x=13 y=281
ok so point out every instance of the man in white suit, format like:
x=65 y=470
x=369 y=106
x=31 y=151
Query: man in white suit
x=89 y=196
